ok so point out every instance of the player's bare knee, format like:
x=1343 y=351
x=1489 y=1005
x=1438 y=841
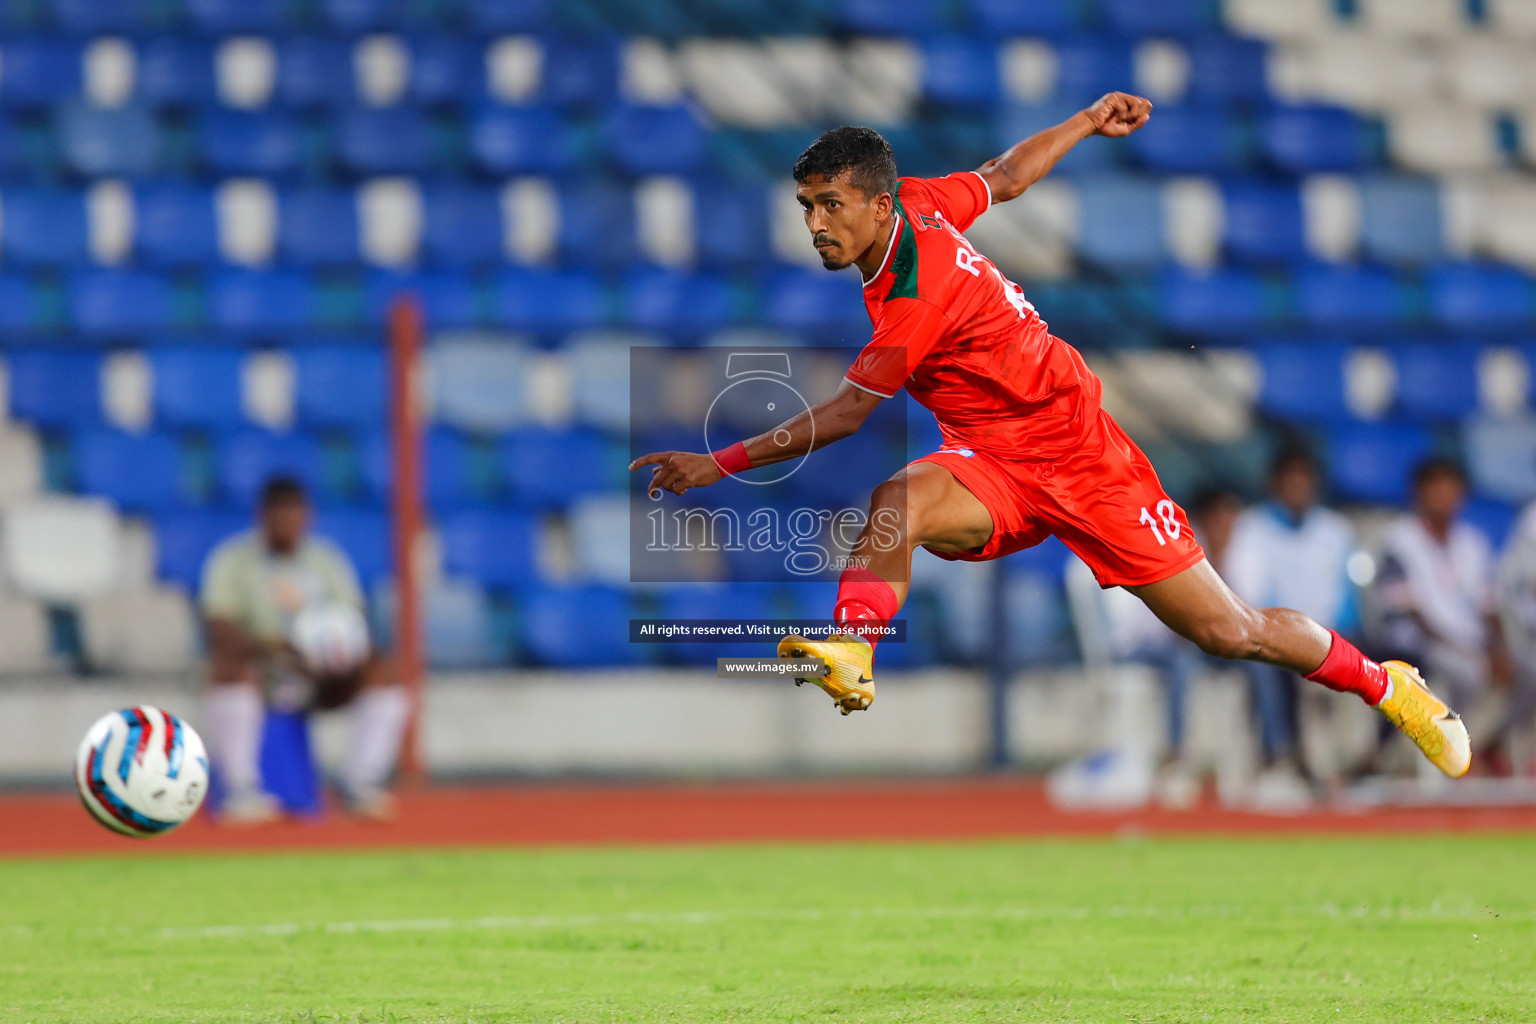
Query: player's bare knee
x=1229 y=638
x=888 y=505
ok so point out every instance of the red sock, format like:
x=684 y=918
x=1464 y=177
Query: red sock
x=864 y=603
x=1348 y=671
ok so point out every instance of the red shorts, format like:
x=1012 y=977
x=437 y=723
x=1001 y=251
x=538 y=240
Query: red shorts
x=1103 y=500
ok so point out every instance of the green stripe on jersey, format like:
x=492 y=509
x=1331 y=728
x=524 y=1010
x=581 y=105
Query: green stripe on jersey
x=904 y=266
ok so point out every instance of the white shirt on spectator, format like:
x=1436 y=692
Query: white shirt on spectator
x=1273 y=560
x=1450 y=585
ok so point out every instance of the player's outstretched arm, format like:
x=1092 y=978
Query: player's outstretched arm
x=826 y=421
x=1114 y=115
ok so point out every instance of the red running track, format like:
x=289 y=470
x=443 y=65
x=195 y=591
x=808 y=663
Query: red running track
x=544 y=814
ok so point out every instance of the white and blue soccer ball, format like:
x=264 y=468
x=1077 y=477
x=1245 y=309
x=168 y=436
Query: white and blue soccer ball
x=141 y=771
x=331 y=637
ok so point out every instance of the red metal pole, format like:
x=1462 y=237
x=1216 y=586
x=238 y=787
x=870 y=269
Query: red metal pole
x=405 y=415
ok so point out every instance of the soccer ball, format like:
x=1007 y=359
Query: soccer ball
x=141 y=771
x=332 y=638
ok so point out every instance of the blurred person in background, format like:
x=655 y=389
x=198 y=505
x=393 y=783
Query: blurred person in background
x=256 y=585
x=1433 y=592
x=1515 y=602
x=1290 y=551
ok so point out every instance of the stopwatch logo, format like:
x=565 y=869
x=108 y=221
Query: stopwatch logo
x=756 y=399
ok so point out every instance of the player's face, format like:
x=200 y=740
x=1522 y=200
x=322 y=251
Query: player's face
x=284 y=524
x=843 y=221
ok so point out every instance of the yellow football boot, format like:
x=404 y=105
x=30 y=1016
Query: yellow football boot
x=850 y=678
x=1425 y=719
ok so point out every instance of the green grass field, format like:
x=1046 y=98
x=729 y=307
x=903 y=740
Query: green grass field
x=1164 y=930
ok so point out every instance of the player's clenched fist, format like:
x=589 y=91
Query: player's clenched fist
x=678 y=471
x=1117 y=114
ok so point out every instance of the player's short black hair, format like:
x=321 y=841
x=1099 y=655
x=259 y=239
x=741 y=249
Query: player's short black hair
x=1436 y=466
x=1292 y=456
x=863 y=151
x=281 y=489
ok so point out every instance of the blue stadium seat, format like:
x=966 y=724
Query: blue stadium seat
x=44 y=227
x=20 y=308
x=1016 y=122
x=658 y=299
x=54 y=387
x=175 y=71
x=103 y=17
x=1501 y=456
x=12 y=159
x=549 y=302
x=576 y=627
x=447 y=476
x=317 y=226
x=461 y=226
x=248 y=458
x=97 y=142
x=446 y=70
x=340 y=386
x=548 y=468
x=184 y=538
x=1226 y=69
x=655 y=140
x=267 y=142
x=1002 y=18
x=1191 y=139
x=197 y=387
x=961 y=70
x=137 y=472
x=598 y=225
x=522 y=140
x=1221 y=302
x=916 y=18
x=1089 y=66
x=1480 y=298
x=1371 y=462
x=1303 y=381
x=493 y=548
x=260 y=301
x=1436 y=381
x=1263 y=222
x=38 y=71
x=714 y=601
x=1121 y=221
x=580 y=72
x=1496 y=519
x=364 y=535
x=479 y=385
x=813 y=300
x=228 y=17
x=458 y=625
x=176 y=225
x=734 y=231
x=496 y=16
x=1400 y=219
x=1164 y=18
x=446 y=299
x=355 y=16
x=314 y=72
x=120 y=302
x=1354 y=299
x=1316 y=138
x=395 y=140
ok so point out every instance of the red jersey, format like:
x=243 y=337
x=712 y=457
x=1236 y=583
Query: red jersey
x=962 y=338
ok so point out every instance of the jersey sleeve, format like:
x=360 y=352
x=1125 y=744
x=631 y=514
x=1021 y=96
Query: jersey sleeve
x=960 y=197
x=908 y=330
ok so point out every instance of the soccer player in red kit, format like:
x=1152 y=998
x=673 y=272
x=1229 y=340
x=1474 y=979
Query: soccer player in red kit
x=1028 y=450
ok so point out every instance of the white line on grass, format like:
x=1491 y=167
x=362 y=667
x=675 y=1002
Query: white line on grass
x=1434 y=912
